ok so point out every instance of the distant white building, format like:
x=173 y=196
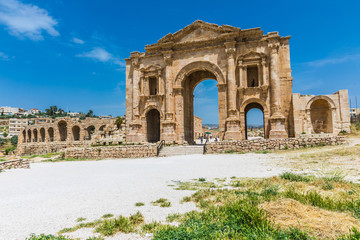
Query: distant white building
x=9 y=111
x=73 y=114
x=33 y=111
x=16 y=124
x=105 y=116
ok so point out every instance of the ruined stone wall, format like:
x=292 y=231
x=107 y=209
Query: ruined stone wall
x=272 y=144
x=126 y=151
x=69 y=132
x=20 y=163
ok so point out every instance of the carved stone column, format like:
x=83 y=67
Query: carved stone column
x=168 y=85
x=241 y=84
x=264 y=72
x=260 y=81
x=179 y=111
x=231 y=84
x=277 y=120
x=232 y=121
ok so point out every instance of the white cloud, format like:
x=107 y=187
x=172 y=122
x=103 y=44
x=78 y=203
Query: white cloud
x=78 y=41
x=4 y=57
x=26 y=20
x=101 y=55
x=333 y=60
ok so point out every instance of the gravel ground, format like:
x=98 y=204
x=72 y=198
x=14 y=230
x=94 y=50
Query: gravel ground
x=51 y=196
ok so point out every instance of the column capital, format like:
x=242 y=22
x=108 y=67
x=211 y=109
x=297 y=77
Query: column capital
x=230 y=49
x=167 y=57
x=274 y=47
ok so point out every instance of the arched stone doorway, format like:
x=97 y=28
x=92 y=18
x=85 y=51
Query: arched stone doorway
x=24 y=135
x=153 y=125
x=51 y=134
x=76 y=133
x=29 y=136
x=249 y=107
x=42 y=134
x=90 y=131
x=321 y=116
x=62 y=127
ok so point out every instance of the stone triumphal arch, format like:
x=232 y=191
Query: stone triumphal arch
x=252 y=70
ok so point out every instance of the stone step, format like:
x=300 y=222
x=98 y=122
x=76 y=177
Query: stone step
x=168 y=151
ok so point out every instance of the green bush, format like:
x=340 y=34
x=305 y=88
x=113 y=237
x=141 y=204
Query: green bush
x=47 y=237
x=14 y=140
x=10 y=149
x=295 y=177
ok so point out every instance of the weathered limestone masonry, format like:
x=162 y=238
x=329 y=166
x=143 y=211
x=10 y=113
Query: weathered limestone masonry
x=272 y=144
x=69 y=132
x=127 y=151
x=20 y=163
x=252 y=70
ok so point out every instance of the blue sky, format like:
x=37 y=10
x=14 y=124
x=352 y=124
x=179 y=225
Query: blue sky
x=70 y=53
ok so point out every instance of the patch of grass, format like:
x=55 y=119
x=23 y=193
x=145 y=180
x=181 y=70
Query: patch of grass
x=81 y=225
x=139 y=204
x=162 y=202
x=173 y=217
x=80 y=219
x=202 y=179
x=108 y=215
x=120 y=224
x=46 y=237
x=263 y=152
x=295 y=177
x=150 y=227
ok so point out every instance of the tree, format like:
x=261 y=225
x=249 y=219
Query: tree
x=5 y=134
x=14 y=140
x=90 y=113
x=51 y=111
x=119 y=120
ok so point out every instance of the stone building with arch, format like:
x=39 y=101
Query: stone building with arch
x=252 y=70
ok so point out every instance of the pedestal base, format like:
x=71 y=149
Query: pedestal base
x=277 y=128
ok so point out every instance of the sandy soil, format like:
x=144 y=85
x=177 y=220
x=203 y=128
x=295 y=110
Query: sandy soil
x=51 y=196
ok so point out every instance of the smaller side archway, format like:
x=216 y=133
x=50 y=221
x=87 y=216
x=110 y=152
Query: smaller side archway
x=153 y=125
x=255 y=131
x=254 y=103
x=90 y=131
x=29 y=135
x=51 y=134
x=24 y=135
x=76 y=133
x=42 y=134
x=62 y=127
x=321 y=116
x=35 y=135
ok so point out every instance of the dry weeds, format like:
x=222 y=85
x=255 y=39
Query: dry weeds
x=320 y=223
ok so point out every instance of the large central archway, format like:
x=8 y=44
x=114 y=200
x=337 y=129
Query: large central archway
x=153 y=125
x=187 y=79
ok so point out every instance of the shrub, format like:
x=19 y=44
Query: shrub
x=108 y=215
x=202 y=179
x=139 y=204
x=14 y=140
x=295 y=177
x=46 y=237
x=9 y=150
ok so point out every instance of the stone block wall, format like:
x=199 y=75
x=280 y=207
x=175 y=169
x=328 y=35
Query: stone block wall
x=272 y=144
x=49 y=147
x=20 y=163
x=126 y=151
